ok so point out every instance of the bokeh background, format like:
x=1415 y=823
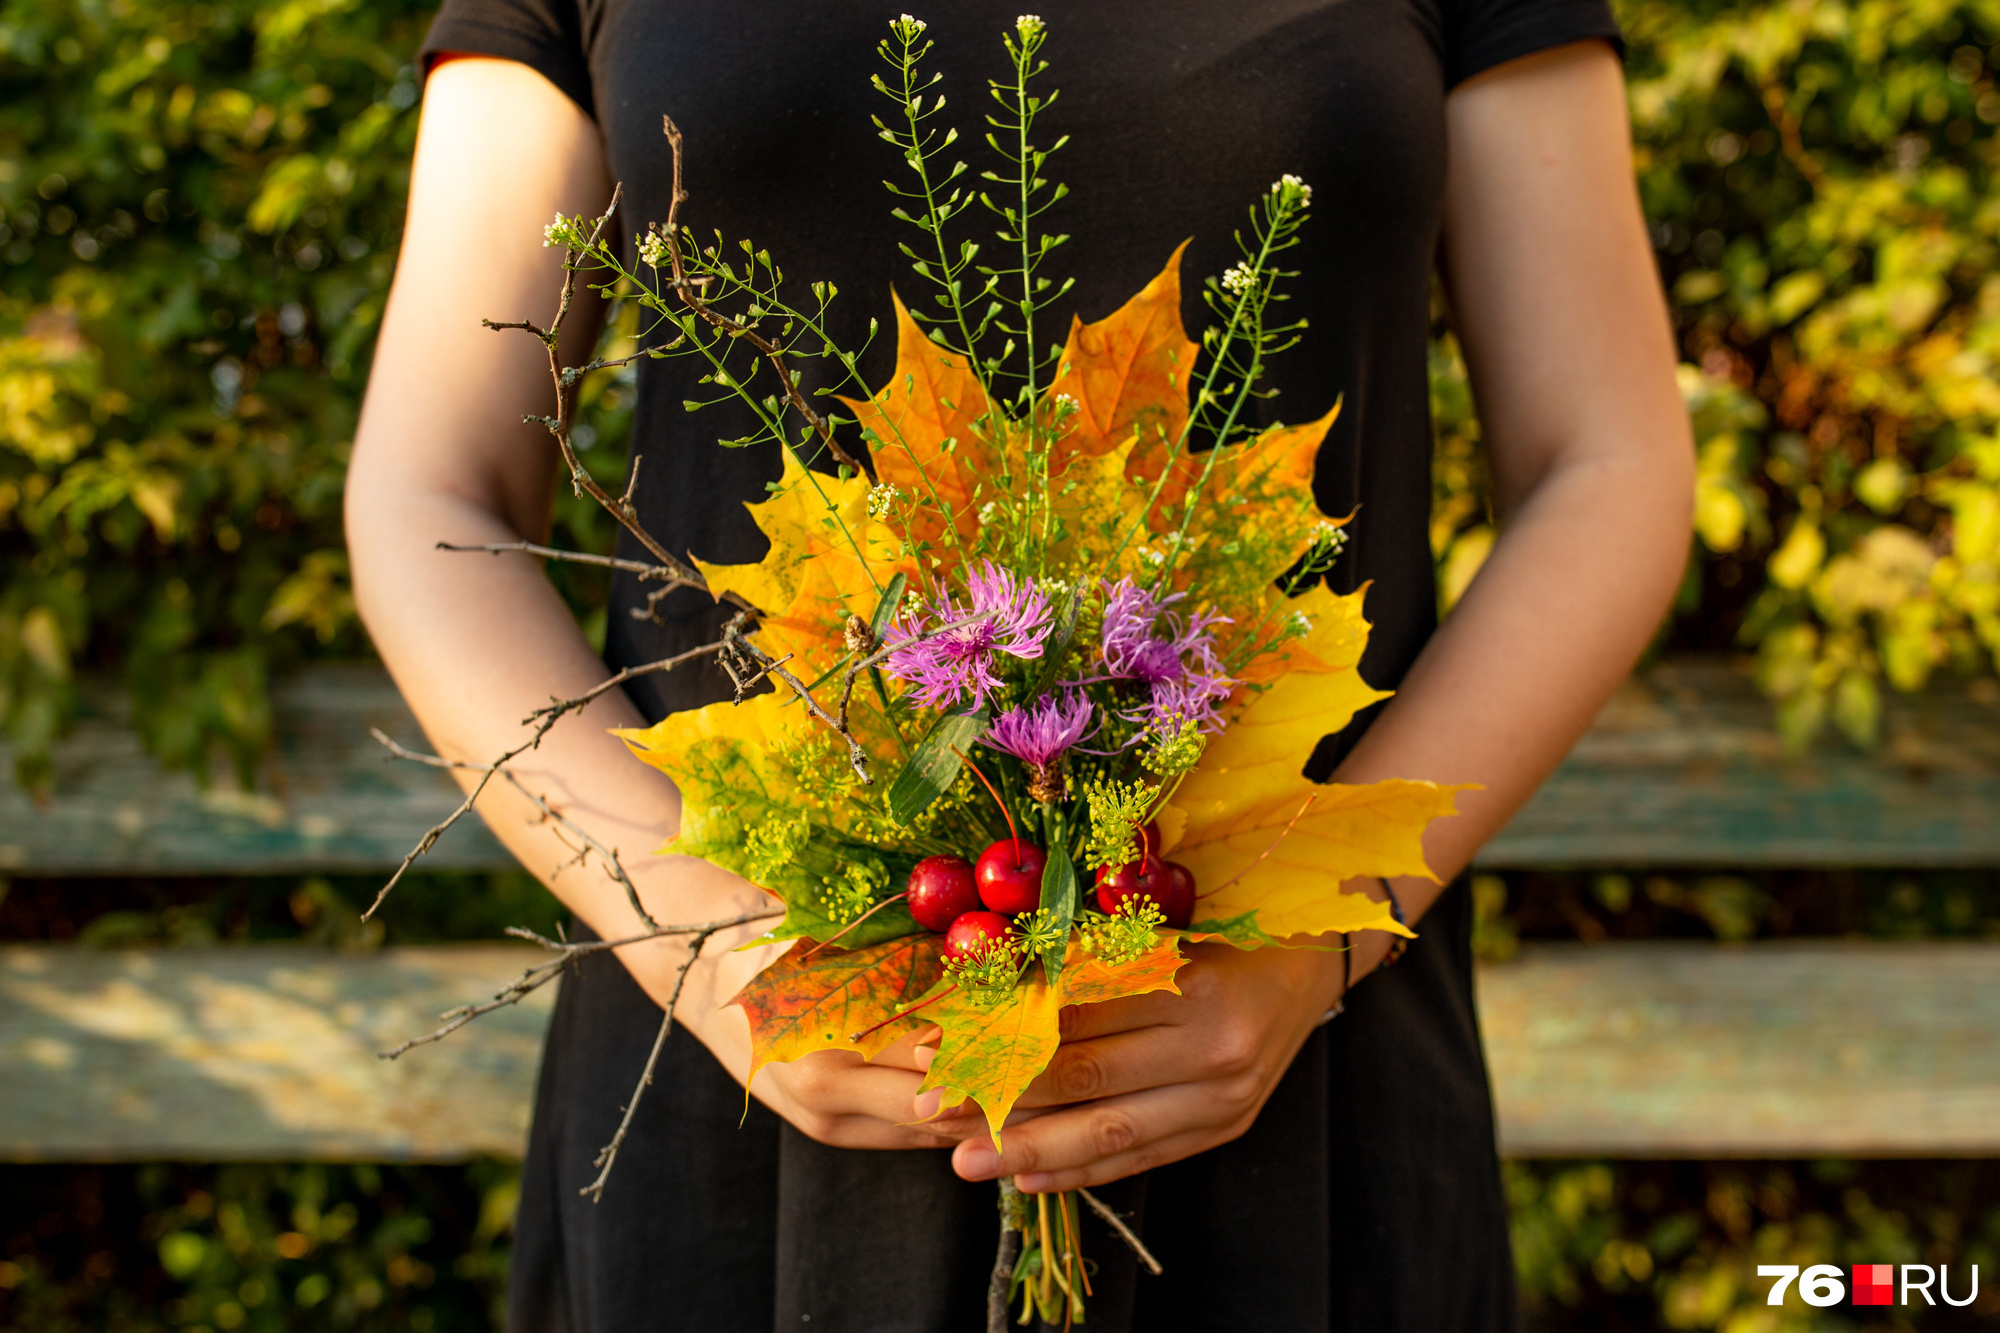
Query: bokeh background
x=200 y=206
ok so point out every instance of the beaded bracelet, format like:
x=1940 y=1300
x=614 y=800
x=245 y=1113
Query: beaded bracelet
x=1397 y=943
x=1346 y=980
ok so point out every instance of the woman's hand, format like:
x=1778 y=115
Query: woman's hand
x=1142 y=1082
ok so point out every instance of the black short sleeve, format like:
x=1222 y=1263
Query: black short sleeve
x=544 y=35
x=1480 y=34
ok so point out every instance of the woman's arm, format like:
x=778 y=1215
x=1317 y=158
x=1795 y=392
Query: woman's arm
x=478 y=642
x=1558 y=306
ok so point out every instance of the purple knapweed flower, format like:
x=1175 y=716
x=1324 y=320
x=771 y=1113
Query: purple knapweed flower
x=1183 y=677
x=1042 y=732
x=948 y=666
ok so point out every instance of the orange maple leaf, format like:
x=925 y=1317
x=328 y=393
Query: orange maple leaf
x=1088 y=979
x=927 y=430
x=1128 y=373
x=802 y=1004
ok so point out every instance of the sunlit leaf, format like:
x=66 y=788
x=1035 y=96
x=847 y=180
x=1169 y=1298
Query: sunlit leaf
x=991 y=1055
x=802 y=1004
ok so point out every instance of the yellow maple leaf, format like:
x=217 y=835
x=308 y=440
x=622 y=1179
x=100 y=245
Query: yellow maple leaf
x=1336 y=636
x=1261 y=837
x=753 y=729
x=828 y=558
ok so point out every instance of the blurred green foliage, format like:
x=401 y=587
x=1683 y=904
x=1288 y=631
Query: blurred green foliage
x=255 y=1248
x=1675 y=1245
x=1820 y=180
x=200 y=205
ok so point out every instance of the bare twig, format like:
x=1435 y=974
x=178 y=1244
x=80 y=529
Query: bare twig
x=560 y=706
x=542 y=719
x=558 y=425
x=566 y=953
x=608 y=855
x=575 y=373
x=690 y=295
x=745 y=652
x=638 y=567
x=608 y=1155
x=1125 y=1233
x=464 y=807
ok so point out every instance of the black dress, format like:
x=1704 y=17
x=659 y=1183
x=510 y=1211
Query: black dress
x=1367 y=1195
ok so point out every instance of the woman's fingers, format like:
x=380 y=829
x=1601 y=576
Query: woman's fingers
x=1111 y=1139
x=1123 y=1062
x=837 y=1098
x=1084 y=1022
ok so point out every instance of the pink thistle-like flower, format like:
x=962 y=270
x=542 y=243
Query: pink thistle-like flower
x=1042 y=732
x=1183 y=676
x=948 y=666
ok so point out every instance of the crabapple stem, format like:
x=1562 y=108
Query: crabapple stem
x=894 y=897
x=857 y=1036
x=1005 y=813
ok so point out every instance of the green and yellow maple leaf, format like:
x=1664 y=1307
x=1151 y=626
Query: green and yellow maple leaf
x=743 y=809
x=991 y=1053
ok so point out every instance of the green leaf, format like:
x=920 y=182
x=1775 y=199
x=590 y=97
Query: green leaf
x=935 y=765
x=1056 y=647
x=884 y=611
x=891 y=597
x=1058 y=897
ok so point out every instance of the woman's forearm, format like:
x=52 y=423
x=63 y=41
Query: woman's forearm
x=1571 y=594
x=478 y=642
x=1560 y=312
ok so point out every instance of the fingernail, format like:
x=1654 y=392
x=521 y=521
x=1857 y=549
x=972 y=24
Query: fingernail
x=1035 y=1182
x=976 y=1161
x=927 y=1103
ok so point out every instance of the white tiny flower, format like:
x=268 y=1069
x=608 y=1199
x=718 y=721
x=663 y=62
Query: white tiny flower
x=1239 y=279
x=1289 y=184
x=1154 y=557
x=1065 y=401
x=1301 y=623
x=652 y=249
x=988 y=511
x=914 y=25
x=1028 y=25
x=881 y=497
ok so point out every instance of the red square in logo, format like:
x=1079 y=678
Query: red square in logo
x=1874 y=1284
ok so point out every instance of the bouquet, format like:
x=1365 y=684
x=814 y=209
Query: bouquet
x=1022 y=703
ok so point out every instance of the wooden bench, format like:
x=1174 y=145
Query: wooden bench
x=1632 y=1050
